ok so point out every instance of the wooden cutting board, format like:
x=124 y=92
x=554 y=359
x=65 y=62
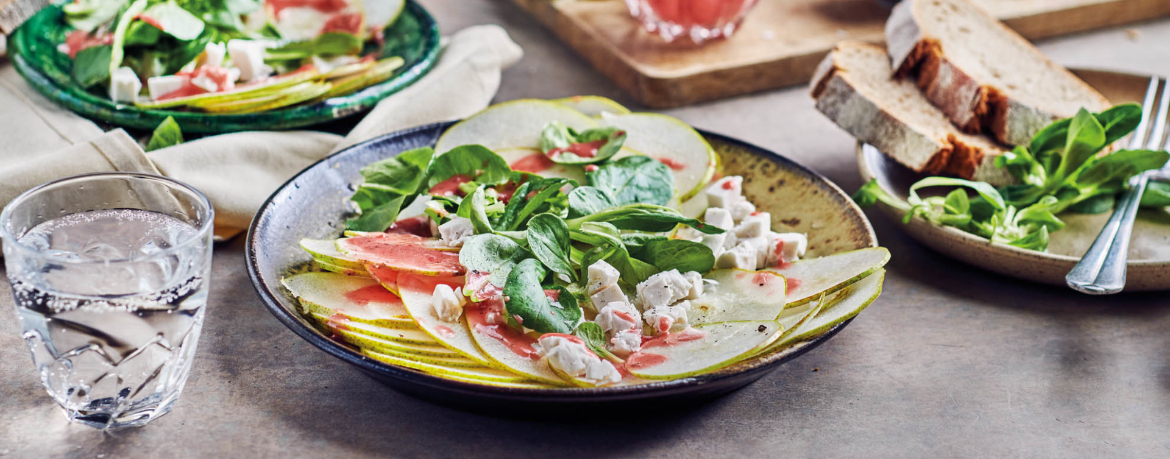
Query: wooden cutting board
x=781 y=41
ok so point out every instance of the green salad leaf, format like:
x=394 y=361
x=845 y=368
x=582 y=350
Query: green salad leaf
x=594 y=337
x=167 y=134
x=643 y=217
x=88 y=15
x=536 y=195
x=475 y=161
x=548 y=238
x=557 y=139
x=527 y=300
x=492 y=253
x=388 y=185
x=587 y=200
x=91 y=66
x=634 y=179
x=680 y=254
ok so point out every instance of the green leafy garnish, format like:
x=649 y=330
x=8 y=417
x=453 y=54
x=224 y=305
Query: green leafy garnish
x=91 y=66
x=594 y=338
x=167 y=134
x=548 y=238
x=643 y=217
x=388 y=185
x=527 y=300
x=475 y=161
x=557 y=139
x=634 y=179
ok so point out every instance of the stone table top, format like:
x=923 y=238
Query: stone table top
x=950 y=361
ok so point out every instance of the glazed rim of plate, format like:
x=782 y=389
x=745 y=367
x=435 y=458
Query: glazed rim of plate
x=867 y=174
x=299 y=325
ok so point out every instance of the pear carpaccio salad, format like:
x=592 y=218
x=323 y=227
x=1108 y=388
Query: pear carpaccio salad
x=233 y=56
x=570 y=243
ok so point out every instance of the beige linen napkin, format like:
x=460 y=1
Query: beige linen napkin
x=40 y=142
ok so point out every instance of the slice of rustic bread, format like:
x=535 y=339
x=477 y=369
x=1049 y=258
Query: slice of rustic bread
x=855 y=88
x=983 y=75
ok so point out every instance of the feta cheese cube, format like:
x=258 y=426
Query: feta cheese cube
x=601 y=275
x=248 y=56
x=300 y=23
x=124 y=85
x=725 y=192
x=626 y=342
x=742 y=256
x=616 y=317
x=754 y=225
x=715 y=242
x=162 y=85
x=205 y=83
x=214 y=54
x=696 y=281
x=456 y=230
x=664 y=319
x=719 y=218
x=761 y=245
x=448 y=302
x=663 y=289
x=741 y=209
x=688 y=233
x=607 y=295
x=569 y=355
x=786 y=248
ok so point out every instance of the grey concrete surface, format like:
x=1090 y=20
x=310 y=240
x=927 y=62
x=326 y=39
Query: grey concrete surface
x=949 y=362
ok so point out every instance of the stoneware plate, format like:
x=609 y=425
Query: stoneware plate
x=33 y=48
x=315 y=202
x=1149 y=253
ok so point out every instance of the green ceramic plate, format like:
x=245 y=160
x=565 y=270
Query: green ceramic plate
x=414 y=36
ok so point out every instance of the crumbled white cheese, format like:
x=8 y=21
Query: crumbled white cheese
x=300 y=23
x=605 y=296
x=124 y=85
x=205 y=83
x=761 y=245
x=755 y=225
x=665 y=319
x=616 y=317
x=214 y=54
x=625 y=342
x=663 y=289
x=786 y=248
x=248 y=56
x=448 y=302
x=571 y=357
x=742 y=256
x=725 y=192
x=163 y=85
x=456 y=230
x=696 y=281
x=719 y=218
x=741 y=209
x=688 y=233
x=601 y=275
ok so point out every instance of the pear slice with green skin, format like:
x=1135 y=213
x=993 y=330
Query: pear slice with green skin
x=356 y=298
x=326 y=250
x=692 y=160
x=487 y=338
x=848 y=302
x=510 y=385
x=290 y=96
x=739 y=295
x=249 y=91
x=814 y=276
x=358 y=80
x=725 y=343
x=401 y=255
x=417 y=294
x=401 y=335
x=341 y=270
x=427 y=242
x=348 y=70
x=457 y=361
x=387 y=277
x=478 y=374
x=593 y=106
x=382 y=13
x=511 y=124
x=394 y=347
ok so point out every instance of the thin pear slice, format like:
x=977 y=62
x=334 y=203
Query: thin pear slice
x=382 y=13
x=341 y=270
x=665 y=138
x=400 y=335
x=248 y=91
x=356 y=298
x=738 y=295
x=416 y=296
x=456 y=361
x=478 y=374
x=404 y=238
x=511 y=124
x=532 y=160
x=849 y=302
x=326 y=250
x=395 y=251
x=724 y=344
x=594 y=105
x=394 y=347
x=510 y=385
x=497 y=342
x=810 y=277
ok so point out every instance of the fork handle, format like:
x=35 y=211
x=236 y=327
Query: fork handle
x=1102 y=270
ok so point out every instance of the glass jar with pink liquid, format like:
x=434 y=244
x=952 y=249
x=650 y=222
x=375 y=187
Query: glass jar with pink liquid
x=701 y=20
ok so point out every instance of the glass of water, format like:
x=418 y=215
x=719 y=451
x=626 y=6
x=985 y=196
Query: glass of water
x=109 y=274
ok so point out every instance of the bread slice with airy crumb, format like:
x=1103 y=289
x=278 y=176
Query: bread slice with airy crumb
x=983 y=75
x=855 y=88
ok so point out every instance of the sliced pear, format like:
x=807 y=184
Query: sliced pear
x=497 y=342
x=394 y=347
x=849 y=302
x=396 y=252
x=477 y=374
x=511 y=124
x=510 y=385
x=341 y=270
x=810 y=277
x=382 y=13
x=724 y=344
x=326 y=250
x=404 y=238
x=416 y=296
x=399 y=335
x=248 y=91
x=738 y=295
x=358 y=299
x=594 y=105
x=665 y=138
x=456 y=361
x=387 y=277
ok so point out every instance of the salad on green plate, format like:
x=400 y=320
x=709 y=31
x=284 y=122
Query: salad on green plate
x=269 y=63
x=570 y=243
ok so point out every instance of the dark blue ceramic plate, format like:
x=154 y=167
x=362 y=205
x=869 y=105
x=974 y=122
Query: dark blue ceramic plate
x=315 y=202
x=414 y=36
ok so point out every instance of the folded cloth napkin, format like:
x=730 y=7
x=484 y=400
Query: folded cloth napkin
x=237 y=172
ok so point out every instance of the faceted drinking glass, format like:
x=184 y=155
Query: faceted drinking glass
x=109 y=274
x=701 y=20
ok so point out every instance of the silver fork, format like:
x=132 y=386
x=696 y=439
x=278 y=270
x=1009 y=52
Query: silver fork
x=1101 y=270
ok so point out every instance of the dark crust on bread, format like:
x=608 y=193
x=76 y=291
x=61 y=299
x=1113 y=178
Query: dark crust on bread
x=965 y=102
x=956 y=159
